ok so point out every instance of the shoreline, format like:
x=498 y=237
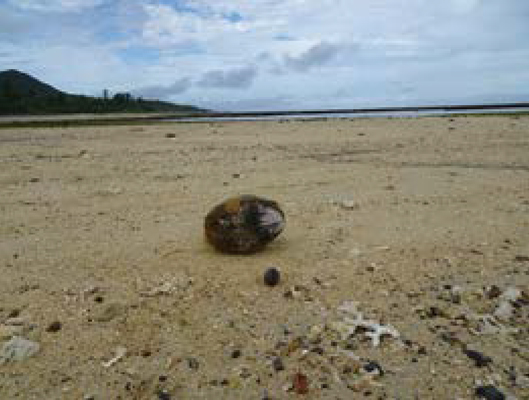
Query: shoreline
x=79 y=120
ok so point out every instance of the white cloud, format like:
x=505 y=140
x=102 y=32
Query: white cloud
x=56 y=5
x=303 y=52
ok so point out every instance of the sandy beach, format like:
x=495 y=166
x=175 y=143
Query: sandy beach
x=404 y=262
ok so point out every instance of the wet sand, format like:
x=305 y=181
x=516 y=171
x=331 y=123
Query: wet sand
x=422 y=222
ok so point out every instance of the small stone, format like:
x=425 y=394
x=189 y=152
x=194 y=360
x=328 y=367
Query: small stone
x=18 y=349
x=277 y=364
x=271 y=277
x=493 y=292
x=170 y=135
x=300 y=383
x=163 y=395
x=373 y=368
x=479 y=359
x=236 y=353
x=489 y=392
x=193 y=363
x=521 y=258
x=348 y=204
x=55 y=326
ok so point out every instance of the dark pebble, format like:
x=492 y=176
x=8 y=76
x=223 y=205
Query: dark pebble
x=145 y=353
x=372 y=367
x=489 y=392
x=520 y=258
x=193 y=363
x=300 y=382
x=479 y=359
x=170 y=135
x=55 y=326
x=163 y=395
x=99 y=299
x=493 y=292
x=277 y=364
x=272 y=277
x=236 y=353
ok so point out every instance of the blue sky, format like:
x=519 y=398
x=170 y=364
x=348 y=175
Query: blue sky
x=275 y=54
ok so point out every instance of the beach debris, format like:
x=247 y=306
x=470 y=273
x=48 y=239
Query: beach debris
x=170 y=135
x=18 y=349
x=354 y=322
x=348 y=204
x=169 y=285
x=243 y=224
x=508 y=298
x=271 y=277
x=8 y=331
x=120 y=353
x=487 y=324
x=489 y=392
x=300 y=383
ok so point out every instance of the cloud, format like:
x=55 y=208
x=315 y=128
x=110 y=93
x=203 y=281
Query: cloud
x=238 y=78
x=164 y=92
x=301 y=50
x=56 y=5
x=166 y=25
x=315 y=56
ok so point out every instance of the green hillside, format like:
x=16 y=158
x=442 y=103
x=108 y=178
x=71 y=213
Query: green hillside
x=22 y=94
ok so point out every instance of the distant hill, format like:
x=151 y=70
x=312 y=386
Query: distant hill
x=21 y=94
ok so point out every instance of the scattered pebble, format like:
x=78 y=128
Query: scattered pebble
x=272 y=277
x=348 y=204
x=236 y=353
x=479 y=359
x=277 y=364
x=373 y=368
x=170 y=135
x=163 y=395
x=300 y=383
x=18 y=349
x=55 y=326
x=489 y=392
x=193 y=363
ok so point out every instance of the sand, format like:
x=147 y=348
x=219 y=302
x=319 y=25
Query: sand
x=422 y=222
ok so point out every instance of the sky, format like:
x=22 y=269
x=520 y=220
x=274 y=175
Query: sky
x=243 y=55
